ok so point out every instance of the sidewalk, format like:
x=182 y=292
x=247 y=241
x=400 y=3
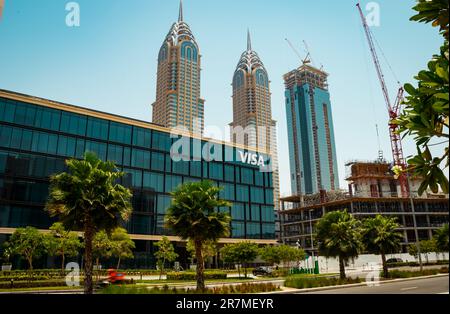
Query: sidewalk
x=287 y=290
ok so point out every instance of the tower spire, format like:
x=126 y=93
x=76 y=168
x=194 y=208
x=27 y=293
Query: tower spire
x=180 y=16
x=249 y=41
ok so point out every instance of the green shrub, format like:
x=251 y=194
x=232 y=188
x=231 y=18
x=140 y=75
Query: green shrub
x=33 y=284
x=302 y=282
x=192 y=275
x=236 y=289
x=413 y=264
x=409 y=274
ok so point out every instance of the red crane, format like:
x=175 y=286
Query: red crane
x=393 y=110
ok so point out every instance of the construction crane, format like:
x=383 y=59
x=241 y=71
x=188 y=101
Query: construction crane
x=393 y=110
x=307 y=58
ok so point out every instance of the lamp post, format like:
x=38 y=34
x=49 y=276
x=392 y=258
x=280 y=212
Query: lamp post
x=416 y=232
x=312 y=240
x=299 y=185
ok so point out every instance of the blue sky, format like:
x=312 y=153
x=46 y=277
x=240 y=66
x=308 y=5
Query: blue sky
x=109 y=62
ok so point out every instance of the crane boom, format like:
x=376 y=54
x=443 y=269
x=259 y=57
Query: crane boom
x=393 y=111
x=304 y=61
x=376 y=60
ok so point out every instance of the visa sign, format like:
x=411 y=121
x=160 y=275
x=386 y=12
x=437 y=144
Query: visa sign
x=252 y=159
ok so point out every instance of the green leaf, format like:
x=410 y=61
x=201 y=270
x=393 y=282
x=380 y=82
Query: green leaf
x=410 y=89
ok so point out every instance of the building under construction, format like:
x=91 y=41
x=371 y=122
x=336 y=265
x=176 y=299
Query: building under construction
x=372 y=190
x=312 y=150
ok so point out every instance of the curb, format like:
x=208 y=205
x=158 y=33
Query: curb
x=295 y=291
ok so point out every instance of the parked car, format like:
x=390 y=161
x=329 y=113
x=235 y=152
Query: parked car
x=262 y=271
x=394 y=260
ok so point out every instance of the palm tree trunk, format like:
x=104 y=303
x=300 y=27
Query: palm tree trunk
x=118 y=263
x=161 y=268
x=88 y=265
x=200 y=264
x=30 y=263
x=385 y=268
x=62 y=263
x=341 y=267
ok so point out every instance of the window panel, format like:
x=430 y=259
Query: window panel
x=97 y=128
x=247 y=175
x=237 y=229
x=73 y=123
x=161 y=141
x=268 y=231
x=157 y=161
x=115 y=153
x=16 y=137
x=24 y=114
x=229 y=173
x=132 y=178
x=7 y=110
x=227 y=192
x=257 y=195
x=66 y=146
x=242 y=193
x=27 y=139
x=98 y=148
x=238 y=211
x=269 y=197
x=196 y=168
x=47 y=118
x=163 y=203
x=215 y=171
x=5 y=135
x=140 y=158
x=142 y=137
x=120 y=133
x=172 y=182
x=153 y=181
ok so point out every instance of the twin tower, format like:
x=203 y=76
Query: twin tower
x=178 y=102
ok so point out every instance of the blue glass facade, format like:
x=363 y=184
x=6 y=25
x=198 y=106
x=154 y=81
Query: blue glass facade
x=35 y=140
x=311 y=139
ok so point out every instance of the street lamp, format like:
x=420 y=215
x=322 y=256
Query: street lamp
x=312 y=240
x=416 y=232
x=299 y=185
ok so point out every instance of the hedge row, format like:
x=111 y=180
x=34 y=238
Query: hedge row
x=408 y=274
x=192 y=275
x=25 y=278
x=33 y=284
x=243 y=288
x=412 y=264
x=300 y=282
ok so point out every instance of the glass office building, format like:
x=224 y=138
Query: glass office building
x=38 y=135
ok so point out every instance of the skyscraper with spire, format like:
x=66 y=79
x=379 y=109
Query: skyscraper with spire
x=178 y=102
x=252 y=113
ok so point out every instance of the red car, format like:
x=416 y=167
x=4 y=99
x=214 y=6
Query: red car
x=115 y=277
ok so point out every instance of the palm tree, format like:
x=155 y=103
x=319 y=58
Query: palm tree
x=338 y=234
x=193 y=214
x=381 y=236
x=88 y=198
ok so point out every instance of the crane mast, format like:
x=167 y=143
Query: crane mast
x=393 y=111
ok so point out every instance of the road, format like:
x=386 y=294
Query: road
x=417 y=286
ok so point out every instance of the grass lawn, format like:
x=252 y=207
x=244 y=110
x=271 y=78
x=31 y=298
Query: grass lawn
x=207 y=281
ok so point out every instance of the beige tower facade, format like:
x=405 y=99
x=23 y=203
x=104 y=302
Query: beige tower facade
x=252 y=124
x=178 y=102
